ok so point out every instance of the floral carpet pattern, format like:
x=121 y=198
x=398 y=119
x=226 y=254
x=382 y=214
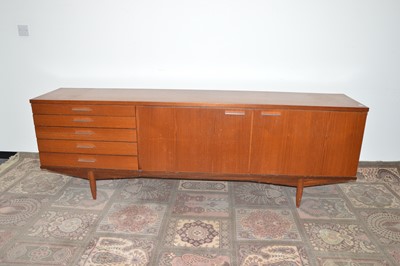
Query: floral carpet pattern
x=50 y=219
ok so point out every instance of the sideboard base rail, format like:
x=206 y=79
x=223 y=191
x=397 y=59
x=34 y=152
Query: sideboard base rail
x=300 y=182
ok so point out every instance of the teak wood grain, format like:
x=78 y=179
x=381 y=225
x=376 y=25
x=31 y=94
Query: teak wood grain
x=194 y=139
x=296 y=139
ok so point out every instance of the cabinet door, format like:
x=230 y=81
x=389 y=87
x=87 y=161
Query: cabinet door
x=288 y=142
x=307 y=143
x=193 y=139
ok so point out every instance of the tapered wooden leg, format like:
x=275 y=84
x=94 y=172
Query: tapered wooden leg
x=299 y=191
x=92 y=181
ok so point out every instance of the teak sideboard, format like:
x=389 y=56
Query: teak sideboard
x=294 y=139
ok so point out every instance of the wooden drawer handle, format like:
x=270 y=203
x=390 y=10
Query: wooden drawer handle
x=83 y=160
x=85 y=146
x=230 y=112
x=83 y=120
x=265 y=113
x=81 y=109
x=84 y=132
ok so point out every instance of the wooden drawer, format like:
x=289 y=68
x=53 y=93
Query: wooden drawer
x=88 y=147
x=83 y=109
x=84 y=121
x=105 y=134
x=88 y=161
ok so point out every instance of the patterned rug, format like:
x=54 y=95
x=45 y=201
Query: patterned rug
x=50 y=219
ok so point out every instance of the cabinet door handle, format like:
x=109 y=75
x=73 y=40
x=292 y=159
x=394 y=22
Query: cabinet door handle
x=233 y=112
x=83 y=120
x=267 y=113
x=85 y=146
x=82 y=109
x=84 y=132
x=89 y=160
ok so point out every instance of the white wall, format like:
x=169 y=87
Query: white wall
x=340 y=46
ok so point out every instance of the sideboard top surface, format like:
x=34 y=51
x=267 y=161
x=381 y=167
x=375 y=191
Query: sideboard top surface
x=167 y=97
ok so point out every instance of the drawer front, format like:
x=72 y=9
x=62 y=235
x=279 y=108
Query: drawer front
x=84 y=121
x=88 y=147
x=105 y=134
x=88 y=161
x=83 y=109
